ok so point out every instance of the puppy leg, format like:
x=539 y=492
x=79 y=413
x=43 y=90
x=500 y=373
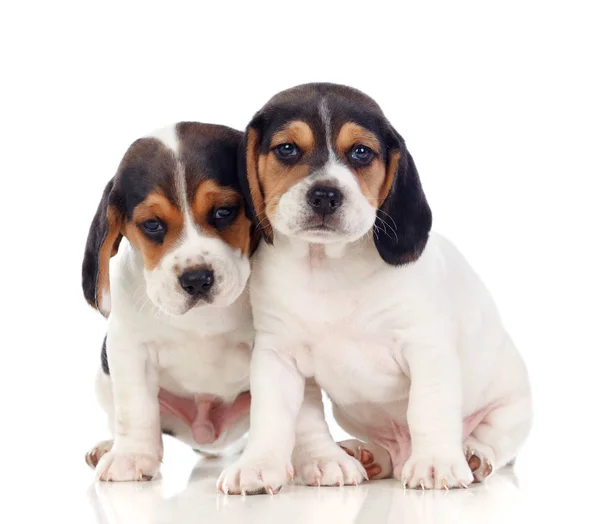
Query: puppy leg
x=105 y=399
x=434 y=418
x=265 y=465
x=137 y=449
x=375 y=459
x=317 y=459
x=496 y=440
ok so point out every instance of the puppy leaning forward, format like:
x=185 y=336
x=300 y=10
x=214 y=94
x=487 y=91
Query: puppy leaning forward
x=176 y=358
x=351 y=293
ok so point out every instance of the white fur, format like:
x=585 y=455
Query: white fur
x=420 y=347
x=156 y=340
x=370 y=334
x=168 y=136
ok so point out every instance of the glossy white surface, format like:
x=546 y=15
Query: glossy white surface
x=548 y=481
x=512 y=496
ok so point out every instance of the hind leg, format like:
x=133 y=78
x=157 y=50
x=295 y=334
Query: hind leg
x=105 y=399
x=495 y=441
x=374 y=458
x=93 y=456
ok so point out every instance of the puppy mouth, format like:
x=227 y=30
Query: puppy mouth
x=200 y=301
x=322 y=228
x=321 y=225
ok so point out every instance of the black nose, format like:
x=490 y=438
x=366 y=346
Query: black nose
x=324 y=200
x=196 y=283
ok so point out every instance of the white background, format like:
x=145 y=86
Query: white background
x=498 y=103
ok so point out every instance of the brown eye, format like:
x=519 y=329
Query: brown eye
x=222 y=212
x=154 y=229
x=287 y=151
x=152 y=226
x=361 y=154
x=224 y=216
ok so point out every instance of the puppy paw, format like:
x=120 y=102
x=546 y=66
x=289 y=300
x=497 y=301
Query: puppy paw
x=480 y=458
x=254 y=477
x=374 y=459
x=334 y=467
x=435 y=471
x=93 y=456
x=125 y=466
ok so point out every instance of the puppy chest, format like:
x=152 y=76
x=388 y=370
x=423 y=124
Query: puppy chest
x=355 y=369
x=197 y=366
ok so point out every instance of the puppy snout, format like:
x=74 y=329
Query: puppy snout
x=324 y=200
x=197 y=282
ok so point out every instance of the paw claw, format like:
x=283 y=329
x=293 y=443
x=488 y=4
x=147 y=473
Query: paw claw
x=90 y=459
x=478 y=458
x=366 y=457
x=328 y=467
x=487 y=469
x=463 y=484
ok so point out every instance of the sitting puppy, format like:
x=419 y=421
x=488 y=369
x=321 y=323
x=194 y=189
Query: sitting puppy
x=351 y=292
x=177 y=351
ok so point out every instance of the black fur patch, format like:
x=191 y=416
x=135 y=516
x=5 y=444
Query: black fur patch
x=208 y=152
x=104 y=358
x=96 y=237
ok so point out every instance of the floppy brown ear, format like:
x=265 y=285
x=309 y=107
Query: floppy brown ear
x=102 y=243
x=250 y=181
x=404 y=217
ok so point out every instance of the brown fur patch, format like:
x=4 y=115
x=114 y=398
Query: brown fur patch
x=351 y=134
x=268 y=178
x=276 y=178
x=109 y=249
x=374 y=180
x=299 y=133
x=211 y=195
x=154 y=206
x=394 y=158
x=256 y=191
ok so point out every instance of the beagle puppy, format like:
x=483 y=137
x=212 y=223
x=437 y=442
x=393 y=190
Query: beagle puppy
x=177 y=351
x=350 y=292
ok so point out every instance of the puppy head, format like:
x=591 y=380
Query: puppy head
x=323 y=164
x=176 y=198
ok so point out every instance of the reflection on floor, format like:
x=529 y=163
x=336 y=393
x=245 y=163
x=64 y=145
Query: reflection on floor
x=193 y=498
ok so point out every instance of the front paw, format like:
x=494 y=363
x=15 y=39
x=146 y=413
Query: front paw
x=255 y=477
x=119 y=466
x=435 y=471
x=333 y=467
